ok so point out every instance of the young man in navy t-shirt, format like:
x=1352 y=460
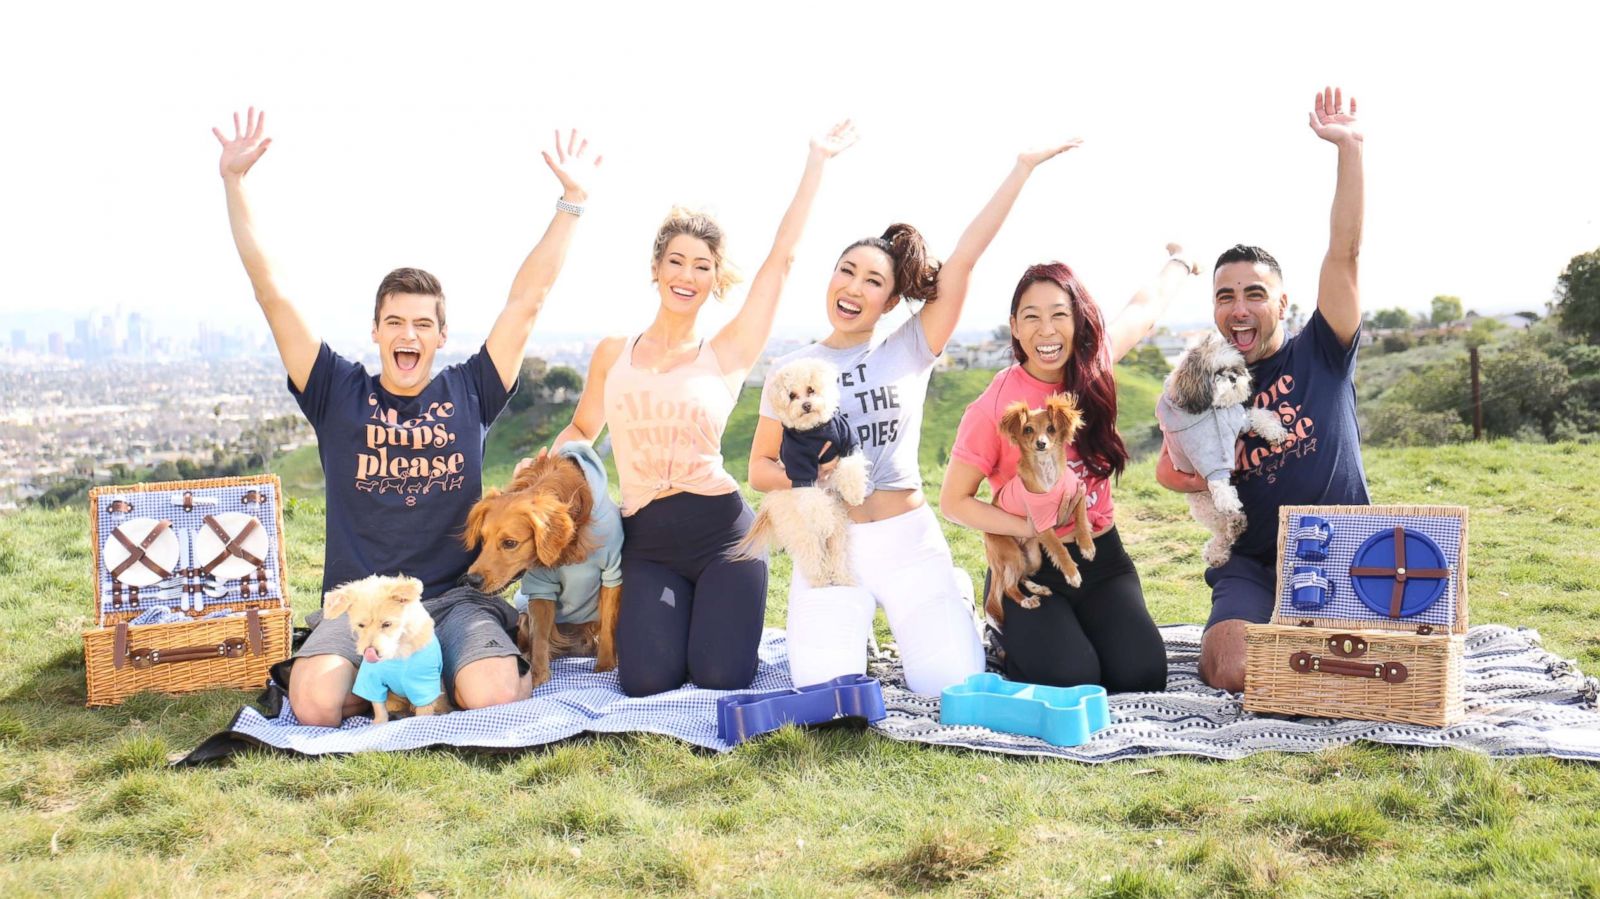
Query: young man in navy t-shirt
x=1308 y=379
x=402 y=452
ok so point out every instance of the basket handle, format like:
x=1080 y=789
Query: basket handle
x=230 y=648
x=1389 y=672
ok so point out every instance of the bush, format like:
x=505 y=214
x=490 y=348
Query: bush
x=1396 y=343
x=1146 y=358
x=1401 y=424
x=1523 y=390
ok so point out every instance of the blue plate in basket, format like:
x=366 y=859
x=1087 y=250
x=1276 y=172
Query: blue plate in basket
x=1426 y=572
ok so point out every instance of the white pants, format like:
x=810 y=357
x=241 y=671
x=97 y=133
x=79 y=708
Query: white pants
x=904 y=565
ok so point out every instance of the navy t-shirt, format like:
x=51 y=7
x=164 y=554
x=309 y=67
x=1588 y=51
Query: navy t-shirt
x=401 y=471
x=1310 y=384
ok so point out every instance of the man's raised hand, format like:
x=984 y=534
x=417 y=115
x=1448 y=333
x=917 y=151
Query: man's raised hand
x=247 y=145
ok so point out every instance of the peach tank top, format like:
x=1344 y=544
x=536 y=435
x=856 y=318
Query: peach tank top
x=666 y=427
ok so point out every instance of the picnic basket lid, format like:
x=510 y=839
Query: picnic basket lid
x=1389 y=567
x=177 y=511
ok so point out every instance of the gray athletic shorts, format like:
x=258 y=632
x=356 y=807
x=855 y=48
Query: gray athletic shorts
x=471 y=626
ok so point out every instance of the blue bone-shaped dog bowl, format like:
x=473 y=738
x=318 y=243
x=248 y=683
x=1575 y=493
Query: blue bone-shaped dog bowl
x=1060 y=716
x=745 y=715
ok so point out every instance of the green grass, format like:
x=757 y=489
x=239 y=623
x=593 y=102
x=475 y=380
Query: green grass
x=88 y=806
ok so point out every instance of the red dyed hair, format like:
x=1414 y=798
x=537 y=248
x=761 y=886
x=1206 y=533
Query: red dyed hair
x=1088 y=370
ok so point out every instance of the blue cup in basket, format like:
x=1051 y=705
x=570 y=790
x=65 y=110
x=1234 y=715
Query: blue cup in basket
x=1311 y=588
x=1311 y=538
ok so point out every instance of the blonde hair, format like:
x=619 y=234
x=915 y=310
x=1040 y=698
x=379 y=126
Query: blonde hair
x=700 y=225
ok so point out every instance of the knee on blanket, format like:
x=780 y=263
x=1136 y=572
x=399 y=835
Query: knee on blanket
x=639 y=680
x=490 y=682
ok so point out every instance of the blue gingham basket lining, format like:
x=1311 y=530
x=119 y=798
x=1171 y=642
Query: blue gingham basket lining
x=157 y=504
x=1349 y=532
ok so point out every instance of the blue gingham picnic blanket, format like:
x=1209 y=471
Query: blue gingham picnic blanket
x=575 y=700
x=1521 y=700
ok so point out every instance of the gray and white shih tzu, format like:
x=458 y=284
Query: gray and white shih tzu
x=1202 y=411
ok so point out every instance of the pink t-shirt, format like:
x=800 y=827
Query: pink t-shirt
x=979 y=444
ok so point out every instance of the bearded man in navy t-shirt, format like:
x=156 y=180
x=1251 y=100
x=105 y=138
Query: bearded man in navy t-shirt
x=402 y=452
x=1308 y=379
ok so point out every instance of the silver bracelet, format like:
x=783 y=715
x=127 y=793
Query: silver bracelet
x=570 y=208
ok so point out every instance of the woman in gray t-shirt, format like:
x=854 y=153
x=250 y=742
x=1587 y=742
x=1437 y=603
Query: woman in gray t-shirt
x=898 y=554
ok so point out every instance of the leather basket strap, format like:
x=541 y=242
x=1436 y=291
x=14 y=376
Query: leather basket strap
x=136 y=551
x=119 y=645
x=1389 y=672
x=231 y=648
x=231 y=545
x=253 y=630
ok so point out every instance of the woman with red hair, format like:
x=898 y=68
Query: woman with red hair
x=1098 y=632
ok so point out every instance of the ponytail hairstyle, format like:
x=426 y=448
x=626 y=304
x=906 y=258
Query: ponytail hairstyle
x=682 y=220
x=1088 y=371
x=915 y=273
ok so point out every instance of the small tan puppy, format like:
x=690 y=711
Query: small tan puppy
x=1042 y=435
x=402 y=664
x=809 y=520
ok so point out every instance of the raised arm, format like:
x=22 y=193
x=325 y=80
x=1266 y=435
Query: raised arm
x=1338 y=295
x=939 y=318
x=739 y=344
x=297 y=345
x=589 y=418
x=509 y=336
x=1139 y=317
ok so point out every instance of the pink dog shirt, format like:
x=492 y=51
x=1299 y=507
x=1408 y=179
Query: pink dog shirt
x=1041 y=508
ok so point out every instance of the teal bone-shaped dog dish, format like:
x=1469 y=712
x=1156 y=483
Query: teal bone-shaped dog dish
x=1060 y=716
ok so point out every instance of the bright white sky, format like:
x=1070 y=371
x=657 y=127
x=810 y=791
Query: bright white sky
x=409 y=134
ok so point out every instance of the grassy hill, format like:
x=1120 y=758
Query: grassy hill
x=87 y=805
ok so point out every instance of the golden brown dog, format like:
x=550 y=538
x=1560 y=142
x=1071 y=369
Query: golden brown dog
x=542 y=520
x=1042 y=435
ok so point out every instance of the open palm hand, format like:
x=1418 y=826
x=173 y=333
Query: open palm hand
x=1330 y=121
x=246 y=146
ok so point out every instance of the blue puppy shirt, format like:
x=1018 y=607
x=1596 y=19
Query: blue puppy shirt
x=416 y=677
x=801 y=451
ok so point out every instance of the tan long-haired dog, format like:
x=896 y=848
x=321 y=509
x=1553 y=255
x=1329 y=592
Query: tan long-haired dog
x=543 y=520
x=1042 y=436
x=810 y=520
x=1203 y=410
x=394 y=636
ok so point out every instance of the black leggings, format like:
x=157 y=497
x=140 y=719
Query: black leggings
x=1097 y=633
x=688 y=613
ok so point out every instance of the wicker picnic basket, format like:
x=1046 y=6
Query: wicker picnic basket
x=192 y=548
x=1370 y=619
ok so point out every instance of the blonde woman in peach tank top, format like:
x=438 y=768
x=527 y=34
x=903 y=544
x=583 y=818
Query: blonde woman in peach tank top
x=687 y=612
